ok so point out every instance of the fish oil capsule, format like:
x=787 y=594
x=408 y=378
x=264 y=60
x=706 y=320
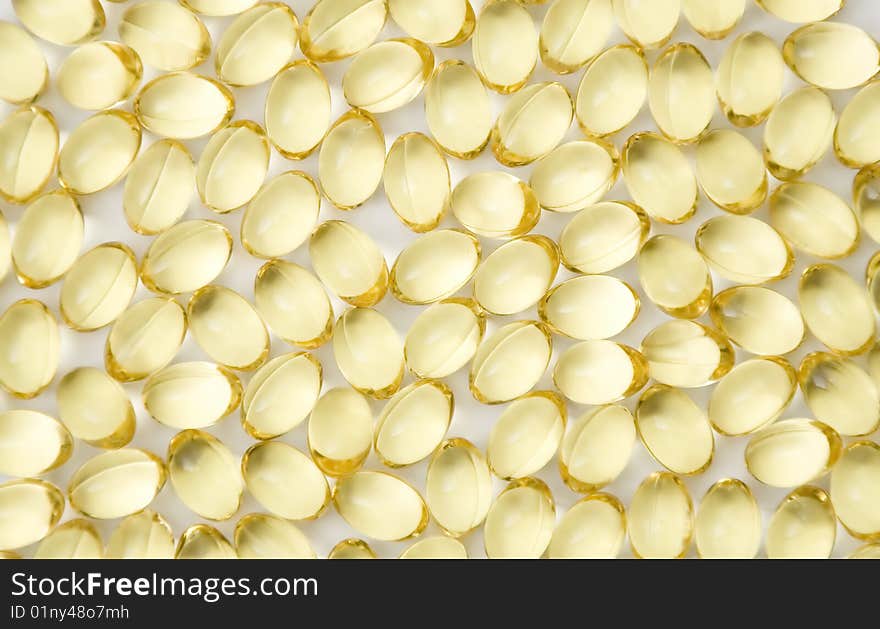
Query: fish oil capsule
x=728 y=522
x=218 y=8
x=457 y=109
x=349 y=263
x=336 y=30
x=510 y=362
x=439 y=23
x=28 y=152
x=590 y=307
x=597 y=448
x=340 y=431
x=387 y=75
x=686 y=354
x=99 y=75
x=5 y=247
x=98 y=287
x=866 y=196
x=28 y=348
x=749 y=79
x=840 y=393
x=434 y=266
x=681 y=93
x=648 y=25
x=352 y=549
x=144 y=338
x=183 y=105
x=413 y=423
x=256 y=45
x=516 y=275
x=416 y=181
x=32 y=443
x=855 y=489
x=281 y=215
x=351 y=159
x=675 y=430
x=495 y=204
x=297 y=111
x=95 y=408
x=142 y=535
x=532 y=123
x=458 y=486
x=23 y=81
x=444 y=337
x=165 y=36
x=603 y=237
x=594 y=528
x=599 y=372
x=659 y=178
x=758 y=319
x=660 y=518
x=436 y=547
x=527 y=435
x=261 y=536
x=573 y=32
x=868 y=551
x=227 y=328
x=186 y=257
x=284 y=480
x=30 y=509
x=743 y=249
x=715 y=19
x=99 y=151
x=505 y=46
x=836 y=309
x=859 y=123
x=520 y=522
x=675 y=277
x=368 y=352
x=803 y=526
x=612 y=91
x=730 y=170
x=799 y=131
x=832 y=55
x=47 y=239
x=752 y=395
x=62 y=22
x=381 y=506
x=233 y=166
x=814 y=219
x=281 y=394
x=293 y=303
x=204 y=474
x=792 y=452
x=191 y=395
x=116 y=484
x=801 y=11
x=75 y=539
x=159 y=186
x=574 y=175
x=201 y=541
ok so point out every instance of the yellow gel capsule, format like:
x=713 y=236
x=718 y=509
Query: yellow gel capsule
x=29 y=510
x=832 y=55
x=280 y=395
x=183 y=105
x=99 y=151
x=730 y=170
x=416 y=181
x=675 y=430
x=335 y=30
x=686 y=354
x=340 y=431
x=603 y=237
x=799 y=131
x=186 y=257
x=387 y=75
x=520 y=522
x=144 y=338
x=868 y=551
x=836 y=309
x=743 y=249
x=28 y=152
x=218 y=8
x=681 y=93
x=32 y=443
x=99 y=75
x=351 y=159
x=47 y=239
x=612 y=91
x=575 y=175
x=758 y=319
x=159 y=187
x=436 y=547
x=648 y=25
x=256 y=45
x=594 y=528
x=5 y=247
x=284 y=480
x=814 y=219
x=866 y=196
x=444 y=337
x=660 y=518
x=116 y=483
x=28 y=348
x=98 y=287
x=191 y=394
x=281 y=215
x=728 y=522
x=349 y=263
x=436 y=22
x=495 y=204
x=753 y=394
x=293 y=303
x=457 y=109
x=803 y=526
x=532 y=123
x=23 y=81
x=858 y=124
x=204 y=474
x=261 y=536
x=62 y=22
x=510 y=362
x=527 y=435
x=165 y=36
x=95 y=408
x=855 y=489
x=714 y=19
x=801 y=11
x=201 y=541
x=597 y=448
x=381 y=506
x=675 y=277
x=227 y=328
x=659 y=178
x=516 y=275
x=590 y=307
x=749 y=79
x=352 y=549
x=233 y=166
x=840 y=393
x=573 y=32
x=792 y=452
x=368 y=352
x=434 y=266
x=458 y=487
x=75 y=539
x=505 y=45
x=599 y=372
x=297 y=111
x=143 y=535
x=413 y=423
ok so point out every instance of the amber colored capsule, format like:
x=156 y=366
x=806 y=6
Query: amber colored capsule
x=293 y=303
x=31 y=509
x=158 y=187
x=814 y=219
x=227 y=328
x=95 y=408
x=201 y=541
x=574 y=32
x=256 y=45
x=99 y=75
x=28 y=153
x=509 y=362
x=804 y=526
x=799 y=131
x=458 y=486
x=335 y=30
x=32 y=443
x=218 y=8
x=380 y=506
x=675 y=430
x=836 y=309
x=98 y=287
x=144 y=338
x=495 y=204
x=233 y=166
x=866 y=198
x=749 y=78
x=575 y=175
x=416 y=181
x=603 y=237
x=261 y=536
x=801 y=11
x=165 y=36
x=99 y=151
x=659 y=178
x=832 y=55
x=368 y=352
x=117 y=483
x=413 y=423
x=730 y=170
x=714 y=19
x=686 y=354
x=868 y=551
x=505 y=45
x=444 y=337
x=47 y=239
x=351 y=159
x=520 y=521
x=29 y=350
x=191 y=394
x=281 y=394
x=855 y=489
x=758 y=319
x=743 y=249
x=681 y=93
x=62 y=22
x=840 y=393
x=590 y=307
x=527 y=435
x=859 y=124
x=597 y=448
x=436 y=547
x=204 y=474
x=674 y=276
x=647 y=25
x=436 y=22
x=516 y=275
x=791 y=452
x=753 y=394
x=23 y=81
x=340 y=431
x=183 y=105
x=297 y=112
x=599 y=372
x=593 y=528
x=434 y=266
x=75 y=539
x=352 y=549
x=387 y=75
x=612 y=91
x=349 y=263
x=728 y=522
x=284 y=480
x=660 y=518
x=186 y=257
x=532 y=123
x=457 y=109
x=142 y=535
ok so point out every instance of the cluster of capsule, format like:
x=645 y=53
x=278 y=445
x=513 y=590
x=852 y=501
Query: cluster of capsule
x=444 y=269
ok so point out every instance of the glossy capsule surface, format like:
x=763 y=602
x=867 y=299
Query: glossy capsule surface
x=352 y=549
x=495 y=204
x=798 y=133
x=612 y=91
x=749 y=79
x=340 y=431
x=744 y=249
x=436 y=547
x=516 y=275
x=144 y=338
x=434 y=22
x=674 y=430
x=457 y=109
x=281 y=394
x=458 y=486
x=261 y=536
x=413 y=423
x=335 y=30
x=189 y=255
x=836 y=309
x=647 y=25
x=165 y=35
x=29 y=348
x=814 y=220
x=573 y=32
x=686 y=354
x=191 y=394
x=574 y=175
x=801 y=11
x=116 y=484
x=416 y=181
x=349 y=263
x=204 y=474
x=75 y=539
x=596 y=448
x=99 y=75
x=520 y=522
x=297 y=112
x=444 y=337
x=201 y=541
x=858 y=124
x=758 y=319
x=832 y=55
x=660 y=518
x=681 y=93
x=505 y=46
x=32 y=443
x=527 y=435
x=593 y=528
x=23 y=81
x=368 y=352
x=256 y=45
x=351 y=159
x=532 y=123
x=855 y=489
x=590 y=307
x=99 y=151
x=62 y=22
x=293 y=303
x=599 y=372
x=728 y=522
x=791 y=452
x=380 y=505
x=509 y=362
x=730 y=170
x=387 y=75
x=684 y=293
x=233 y=166
x=183 y=105
x=28 y=153
x=48 y=239
x=659 y=178
x=803 y=527
x=603 y=237
x=713 y=20
x=840 y=393
x=142 y=535
x=218 y=8
x=284 y=480
x=434 y=266
x=159 y=187
x=227 y=327
x=95 y=408
x=31 y=509
x=753 y=394
x=98 y=286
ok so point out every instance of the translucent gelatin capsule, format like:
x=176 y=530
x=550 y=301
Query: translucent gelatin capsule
x=204 y=474
x=674 y=276
x=573 y=32
x=165 y=35
x=387 y=75
x=647 y=25
x=866 y=197
x=284 y=480
x=30 y=510
x=681 y=93
x=728 y=522
x=495 y=204
x=368 y=352
x=814 y=219
x=256 y=45
x=505 y=45
x=23 y=81
x=758 y=319
x=75 y=539
x=95 y=408
x=575 y=175
x=227 y=328
x=340 y=431
x=836 y=309
x=99 y=75
x=143 y=535
x=527 y=435
x=803 y=527
x=218 y=8
x=335 y=30
x=532 y=123
x=686 y=354
x=675 y=430
x=868 y=551
x=444 y=337
x=297 y=111
x=594 y=528
x=186 y=257
x=597 y=448
x=62 y=22
x=159 y=187
x=32 y=443
x=413 y=423
x=457 y=109
x=281 y=394
x=753 y=394
x=183 y=105
x=144 y=338
x=791 y=452
x=352 y=549
x=381 y=506
x=714 y=19
x=840 y=393
x=351 y=159
x=28 y=153
x=603 y=237
x=116 y=484
x=436 y=22
x=261 y=536
x=832 y=55
x=509 y=362
x=201 y=541
x=743 y=249
x=801 y=11
x=799 y=131
x=599 y=372
x=434 y=266
x=28 y=348
x=435 y=547
x=590 y=307
x=99 y=151
x=660 y=518
x=612 y=91
x=191 y=394
x=233 y=166
x=293 y=303
x=47 y=239
x=659 y=178
x=416 y=181
x=859 y=123
x=730 y=170
x=749 y=78
x=520 y=521
x=98 y=287
x=458 y=487
x=349 y=263
x=855 y=489
x=516 y=275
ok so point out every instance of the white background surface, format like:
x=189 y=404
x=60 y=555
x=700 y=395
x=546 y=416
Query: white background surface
x=104 y=221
